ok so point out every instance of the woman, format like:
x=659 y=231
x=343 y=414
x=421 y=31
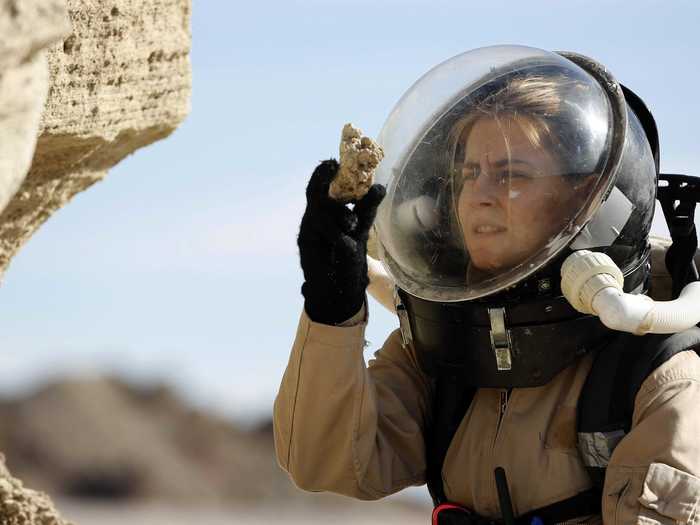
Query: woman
x=498 y=185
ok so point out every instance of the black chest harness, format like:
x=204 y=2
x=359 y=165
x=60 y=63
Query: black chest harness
x=605 y=410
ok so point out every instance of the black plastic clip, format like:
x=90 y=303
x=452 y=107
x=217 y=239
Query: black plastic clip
x=679 y=195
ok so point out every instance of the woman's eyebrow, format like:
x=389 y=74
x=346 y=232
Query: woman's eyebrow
x=499 y=163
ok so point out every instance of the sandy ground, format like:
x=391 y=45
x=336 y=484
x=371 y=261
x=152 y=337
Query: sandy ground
x=357 y=513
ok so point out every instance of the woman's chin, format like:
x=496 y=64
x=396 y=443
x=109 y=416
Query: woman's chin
x=487 y=254
x=486 y=265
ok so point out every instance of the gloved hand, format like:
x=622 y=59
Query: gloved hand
x=333 y=248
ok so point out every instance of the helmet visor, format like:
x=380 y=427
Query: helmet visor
x=500 y=177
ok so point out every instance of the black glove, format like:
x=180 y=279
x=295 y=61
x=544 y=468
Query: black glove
x=333 y=248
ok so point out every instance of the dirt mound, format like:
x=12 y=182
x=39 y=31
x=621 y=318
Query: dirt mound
x=104 y=438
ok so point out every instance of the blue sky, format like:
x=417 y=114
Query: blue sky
x=182 y=264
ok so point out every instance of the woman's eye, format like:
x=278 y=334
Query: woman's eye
x=505 y=177
x=518 y=175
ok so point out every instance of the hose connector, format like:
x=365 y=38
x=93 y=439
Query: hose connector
x=593 y=284
x=584 y=274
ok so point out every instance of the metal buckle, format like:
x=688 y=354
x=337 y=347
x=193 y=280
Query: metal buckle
x=404 y=323
x=500 y=338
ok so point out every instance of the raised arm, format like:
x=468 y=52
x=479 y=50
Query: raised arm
x=343 y=427
x=339 y=425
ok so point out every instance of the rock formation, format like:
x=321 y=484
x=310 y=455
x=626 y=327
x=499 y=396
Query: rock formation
x=82 y=85
x=26 y=29
x=119 y=80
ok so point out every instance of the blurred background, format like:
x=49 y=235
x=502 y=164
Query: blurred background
x=146 y=326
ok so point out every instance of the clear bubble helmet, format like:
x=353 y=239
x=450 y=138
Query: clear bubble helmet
x=501 y=161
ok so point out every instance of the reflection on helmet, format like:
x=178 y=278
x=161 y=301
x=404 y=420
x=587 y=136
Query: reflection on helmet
x=496 y=159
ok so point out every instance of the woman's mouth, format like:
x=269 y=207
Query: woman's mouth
x=487 y=229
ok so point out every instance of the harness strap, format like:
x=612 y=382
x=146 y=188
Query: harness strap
x=582 y=504
x=585 y=503
x=451 y=401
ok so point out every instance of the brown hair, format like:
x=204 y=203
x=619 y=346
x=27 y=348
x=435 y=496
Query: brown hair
x=538 y=102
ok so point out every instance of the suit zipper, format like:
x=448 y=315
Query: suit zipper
x=502 y=407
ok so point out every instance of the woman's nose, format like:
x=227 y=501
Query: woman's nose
x=486 y=186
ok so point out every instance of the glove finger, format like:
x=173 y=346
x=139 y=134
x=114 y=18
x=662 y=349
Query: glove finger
x=330 y=220
x=366 y=209
x=318 y=234
x=317 y=189
x=325 y=209
x=316 y=255
x=344 y=220
x=346 y=247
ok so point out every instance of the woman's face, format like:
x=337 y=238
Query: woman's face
x=513 y=199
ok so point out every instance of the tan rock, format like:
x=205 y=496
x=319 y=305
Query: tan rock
x=22 y=506
x=359 y=157
x=26 y=28
x=120 y=81
x=22 y=95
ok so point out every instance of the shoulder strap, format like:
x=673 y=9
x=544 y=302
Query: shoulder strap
x=678 y=197
x=659 y=349
x=451 y=400
x=606 y=404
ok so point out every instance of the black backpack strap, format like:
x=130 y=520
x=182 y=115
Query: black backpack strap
x=451 y=401
x=678 y=198
x=587 y=503
x=606 y=404
x=658 y=350
x=602 y=411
